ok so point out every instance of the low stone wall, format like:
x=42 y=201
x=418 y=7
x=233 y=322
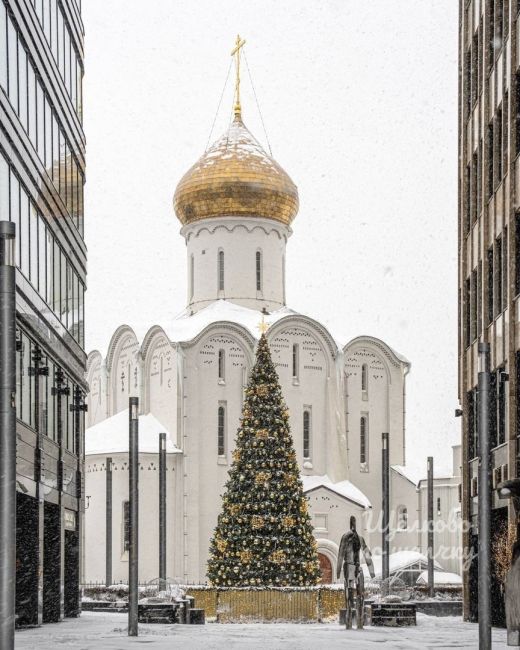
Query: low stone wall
x=306 y=605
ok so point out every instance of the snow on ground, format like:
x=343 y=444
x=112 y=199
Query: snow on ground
x=93 y=631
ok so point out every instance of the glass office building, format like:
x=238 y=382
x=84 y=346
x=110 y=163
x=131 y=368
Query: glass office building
x=42 y=176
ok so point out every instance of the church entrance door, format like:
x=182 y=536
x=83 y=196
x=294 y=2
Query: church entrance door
x=325 y=568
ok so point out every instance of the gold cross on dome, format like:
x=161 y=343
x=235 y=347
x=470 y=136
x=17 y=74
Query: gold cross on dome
x=263 y=326
x=239 y=43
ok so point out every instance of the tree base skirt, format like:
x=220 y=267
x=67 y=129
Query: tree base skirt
x=265 y=605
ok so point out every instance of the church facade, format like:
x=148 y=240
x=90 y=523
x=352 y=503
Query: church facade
x=236 y=206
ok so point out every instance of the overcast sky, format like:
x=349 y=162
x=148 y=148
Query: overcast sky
x=359 y=100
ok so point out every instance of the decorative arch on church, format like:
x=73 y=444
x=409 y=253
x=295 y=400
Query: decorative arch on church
x=95 y=396
x=159 y=373
x=236 y=341
x=122 y=363
x=316 y=349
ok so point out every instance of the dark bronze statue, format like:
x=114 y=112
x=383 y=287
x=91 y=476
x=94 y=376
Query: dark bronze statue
x=348 y=558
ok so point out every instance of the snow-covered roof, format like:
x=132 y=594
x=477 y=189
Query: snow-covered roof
x=412 y=474
x=111 y=436
x=440 y=578
x=343 y=488
x=399 y=561
x=185 y=327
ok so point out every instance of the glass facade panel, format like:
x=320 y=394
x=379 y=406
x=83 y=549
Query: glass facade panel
x=12 y=62
x=48 y=137
x=31 y=103
x=4 y=190
x=22 y=76
x=42 y=258
x=50 y=269
x=34 y=245
x=24 y=233
x=63 y=282
x=40 y=119
x=56 y=306
x=3 y=47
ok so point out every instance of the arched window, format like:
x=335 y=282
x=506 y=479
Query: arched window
x=295 y=360
x=364 y=377
x=221 y=270
x=402 y=518
x=306 y=434
x=283 y=279
x=192 y=277
x=161 y=370
x=221 y=431
x=258 y=270
x=221 y=365
x=363 y=433
x=439 y=506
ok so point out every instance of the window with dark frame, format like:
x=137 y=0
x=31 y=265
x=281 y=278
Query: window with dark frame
x=221 y=365
x=295 y=361
x=363 y=439
x=306 y=434
x=490 y=285
x=221 y=270
x=258 y=262
x=364 y=377
x=221 y=431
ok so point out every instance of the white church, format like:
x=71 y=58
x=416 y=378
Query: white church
x=237 y=206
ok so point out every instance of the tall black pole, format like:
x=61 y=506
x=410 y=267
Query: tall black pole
x=484 y=501
x=133 y=551
x=162 y=511
x=430 y=527
x=386 y=508
x=108 y=524
x=7 y=434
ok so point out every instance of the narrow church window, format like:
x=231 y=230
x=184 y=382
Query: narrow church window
x=128 y=376
x=221 y=270
x=295 y=360
x=363 y=440
x=438 y=506
x=402 y=518
x=192 y=276
x=126 y=526
x=221 y=365
x=258 y=271
x=364 y=377
x=221 y=431
x=306 y=434
x=161 y=371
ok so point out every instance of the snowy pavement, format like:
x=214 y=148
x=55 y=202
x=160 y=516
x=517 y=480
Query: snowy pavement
x=93 y=631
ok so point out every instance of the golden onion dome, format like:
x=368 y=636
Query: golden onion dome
x=236 y=178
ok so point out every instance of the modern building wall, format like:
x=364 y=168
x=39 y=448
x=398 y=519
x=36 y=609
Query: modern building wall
x=488 y=238
x=42 y=174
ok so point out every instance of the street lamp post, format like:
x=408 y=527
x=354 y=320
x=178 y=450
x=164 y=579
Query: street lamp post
x=7 y=434
x=430 y=527
x=386 y=509
x=162 y=511
x=133 y=550
x=484 y=501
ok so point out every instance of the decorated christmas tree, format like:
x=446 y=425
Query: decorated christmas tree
x=264 y=533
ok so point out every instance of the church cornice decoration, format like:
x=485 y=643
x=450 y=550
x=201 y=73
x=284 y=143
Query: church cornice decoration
x=367 y=341
x=305 y=322
x=228 y=327
x=249 y=225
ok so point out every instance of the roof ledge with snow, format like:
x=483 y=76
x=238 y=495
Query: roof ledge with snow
x=344 y=489
x=111 y=436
